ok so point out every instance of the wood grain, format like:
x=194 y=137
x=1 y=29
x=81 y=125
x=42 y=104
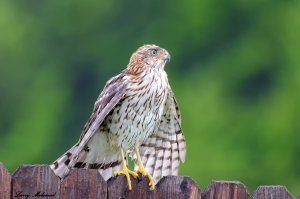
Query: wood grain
x=39 y=181
x=271 y=192
x=225 y=190
x=178 y=187
x=30 y=181
x=5 y=183
x=118 y=188
x=83 y=183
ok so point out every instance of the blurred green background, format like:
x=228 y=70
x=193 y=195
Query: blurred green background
x=234 y=70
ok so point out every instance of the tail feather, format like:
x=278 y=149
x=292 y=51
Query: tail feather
x=174 y=158
x=97 y=154
x=181 y=146
x=61 y=165
x=158 y=165
x=161 y=155
x=161 y=152
x=166 y=163
x=149 y=160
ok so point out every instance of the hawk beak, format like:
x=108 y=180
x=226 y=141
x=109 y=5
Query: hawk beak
x=167 y=57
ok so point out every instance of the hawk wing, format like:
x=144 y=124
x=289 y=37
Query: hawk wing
x=112 y=93
x=161 y=152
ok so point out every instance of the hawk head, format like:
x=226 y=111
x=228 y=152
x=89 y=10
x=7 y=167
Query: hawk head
x=148 y=56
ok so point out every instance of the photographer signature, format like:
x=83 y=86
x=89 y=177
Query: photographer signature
x=39 y=194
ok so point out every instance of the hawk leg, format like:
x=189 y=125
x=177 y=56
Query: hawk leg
x=126 y=171
x=143 y=171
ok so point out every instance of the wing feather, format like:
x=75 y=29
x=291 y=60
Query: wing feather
x=112 y=93
x=162 y=151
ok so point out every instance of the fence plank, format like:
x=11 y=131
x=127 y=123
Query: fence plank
x=30 y=181
x=178 y=187
x=225 y=190
x=83 y=183
x=118 y=188
x=271 y=192
x=39 y=181
x=5 y=183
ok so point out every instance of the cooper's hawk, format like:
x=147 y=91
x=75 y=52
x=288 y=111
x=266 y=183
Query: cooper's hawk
x=136 y=114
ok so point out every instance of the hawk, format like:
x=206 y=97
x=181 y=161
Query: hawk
x=135 y=115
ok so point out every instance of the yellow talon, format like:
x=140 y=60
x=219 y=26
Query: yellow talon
x=143 y=171
x=126 y=171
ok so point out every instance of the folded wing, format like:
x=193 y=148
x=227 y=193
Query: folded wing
x=112 y=93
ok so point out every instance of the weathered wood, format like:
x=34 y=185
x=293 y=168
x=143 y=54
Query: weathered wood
x=35 y=181
x=5 y=183
x=39 y=181
x=271 y=192
x=178 y=187
x=118 y=188
x=225 y=190
x=83 y=183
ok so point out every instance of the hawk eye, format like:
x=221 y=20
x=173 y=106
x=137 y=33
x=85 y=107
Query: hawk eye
x=153 y=51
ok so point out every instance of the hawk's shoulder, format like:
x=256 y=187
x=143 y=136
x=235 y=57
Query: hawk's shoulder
x=112 y=93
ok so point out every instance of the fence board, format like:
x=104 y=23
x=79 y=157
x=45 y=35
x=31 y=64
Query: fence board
x=35 y=181
x=39 y=181
x=5 y=183
x=178 y=187
x=83 y=183
x=118 y=188
x=271 y=192
x=225 y=190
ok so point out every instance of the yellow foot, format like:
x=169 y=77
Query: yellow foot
x=144 y=172
x=127 y=173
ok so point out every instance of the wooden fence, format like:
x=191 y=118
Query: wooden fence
x=38 y=181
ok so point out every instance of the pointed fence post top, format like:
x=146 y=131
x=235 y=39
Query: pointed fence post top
x=226 y=189
x=34 y=181
x=272 y=192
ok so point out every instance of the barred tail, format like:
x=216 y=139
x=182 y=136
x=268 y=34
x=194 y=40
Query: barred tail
x=97 y=154
x=161 y=156
x=61 y=166
x=161 y=152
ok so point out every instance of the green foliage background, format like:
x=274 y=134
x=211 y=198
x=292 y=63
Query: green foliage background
x=235 y=72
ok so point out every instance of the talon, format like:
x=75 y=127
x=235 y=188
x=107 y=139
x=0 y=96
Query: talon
x=143 y=171
x=151 y=183
x=126 y=172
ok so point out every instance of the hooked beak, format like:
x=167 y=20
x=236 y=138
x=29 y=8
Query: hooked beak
x=167 y=57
